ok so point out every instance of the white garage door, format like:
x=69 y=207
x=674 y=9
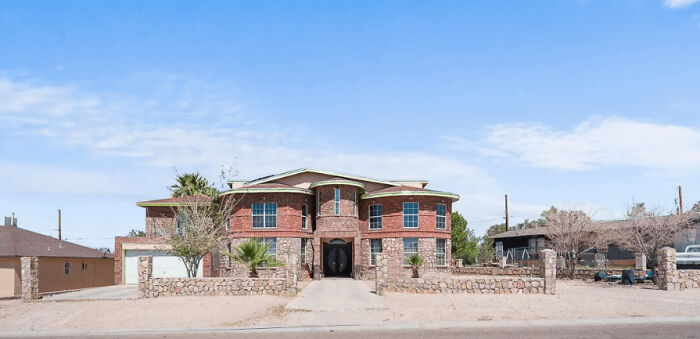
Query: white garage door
x=164 y=266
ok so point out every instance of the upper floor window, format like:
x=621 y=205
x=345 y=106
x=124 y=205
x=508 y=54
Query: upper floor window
x=440 y=251
x=410 y=247
x=337 y=201
x=410 y=215
x=375 y=217
x=227 y=223
x=441 y=212
x=304 y=216
x=375 y=247
x=354 y=203
x=318 y=203
x=180 y=221
x=265 y=215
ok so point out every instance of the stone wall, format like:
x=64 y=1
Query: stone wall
x=474 y=285
x=30 y=278
x=149 y=287
x=689 y=279
x=580 y=273
x=669 y=277
x=392 y=250
x=285 y=246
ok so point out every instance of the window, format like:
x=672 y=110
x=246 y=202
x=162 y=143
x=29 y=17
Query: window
x=375 y=246
x=272 y=250
x=228 y=247
x=83 y=266
x=180 y=221
x=227 y=223
x=410 y=215
x=265 y=215
x=303 y=250
x=318 y=203
x=66 y=268
x=440 y=211
x=375 y=217
x=337 y=201
x=440 y=252
x=410 y=247
x=354 y=203
x=304 y=216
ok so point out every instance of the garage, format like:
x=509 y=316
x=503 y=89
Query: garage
x=164 y=265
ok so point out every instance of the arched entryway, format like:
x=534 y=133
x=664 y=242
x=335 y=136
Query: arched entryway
x=337 y=258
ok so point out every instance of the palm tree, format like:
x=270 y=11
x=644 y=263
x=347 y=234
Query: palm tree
x=415 y=261
x=191 y=184
x=253 y=253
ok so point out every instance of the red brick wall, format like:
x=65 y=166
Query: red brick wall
x=288 y=215
x=392 y=217
x=347 y=206
x=159 y=221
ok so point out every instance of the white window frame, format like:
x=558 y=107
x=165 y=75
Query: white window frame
x=373 y=255
x=264 y=215
x=336 y=201
x=273 y=253
x=407 y=254
x=180 y=218
x=83 y=266
x=66 y=268
x=375 y=217
x=404 y=215
x=304 y=216
x=304 y=243
x=227 y=222
x=441 y=256
x=318 y=203
x=354 y=203
x=439 y=218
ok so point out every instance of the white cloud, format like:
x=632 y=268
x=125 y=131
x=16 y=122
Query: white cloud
x=610 y=142
x=679 y=3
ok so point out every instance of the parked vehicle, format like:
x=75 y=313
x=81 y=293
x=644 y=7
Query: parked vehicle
x=691 y=256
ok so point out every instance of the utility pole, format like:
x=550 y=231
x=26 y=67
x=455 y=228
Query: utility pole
x=59 y=224
x=506 y=212
x=680 y=200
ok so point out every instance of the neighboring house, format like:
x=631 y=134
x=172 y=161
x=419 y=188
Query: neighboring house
x=526 y=243
x=62 y=265
x=335 y=222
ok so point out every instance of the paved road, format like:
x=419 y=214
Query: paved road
x=116 y=292
x=340 y=294
x=636 y=330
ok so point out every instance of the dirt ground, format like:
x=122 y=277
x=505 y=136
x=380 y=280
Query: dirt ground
x=574 y=300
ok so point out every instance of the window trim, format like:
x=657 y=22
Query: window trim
x=83 y=266
x=66 y=268
x=444 y=252
x=336 y=201
x=318 y=203
x=304 y=243
x=437 y=218
x=381 y=250
x=369 y=218
x=403 y=249
x=304 y=216
x=264 y=215
x=354 y=203
x=403 y=214
x=227 y=226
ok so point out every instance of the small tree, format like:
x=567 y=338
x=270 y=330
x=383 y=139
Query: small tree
x=571 y=235
x=192 y=184
x=253 y=253
x=136 y=233
x=487 y=250
x=465 y=245
x=415 y=261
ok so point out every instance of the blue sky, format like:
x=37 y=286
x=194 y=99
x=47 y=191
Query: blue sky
x=578 y=104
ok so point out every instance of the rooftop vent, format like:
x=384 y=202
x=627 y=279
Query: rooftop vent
x=11 y=221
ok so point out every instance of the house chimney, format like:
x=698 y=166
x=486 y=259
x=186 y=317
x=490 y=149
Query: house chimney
x=59 y=224
x=12 y=219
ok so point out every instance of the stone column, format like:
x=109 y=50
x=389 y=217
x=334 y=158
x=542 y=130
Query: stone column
x=381 y=272
x=317 y=258
x=459 y=263
x=548 y=270
x=667 y=275
x=640 y=264
x=357 y=258
x=502 y=262
x=145 y=272
x=291 y=273
x=599 y=259
x=30 y=278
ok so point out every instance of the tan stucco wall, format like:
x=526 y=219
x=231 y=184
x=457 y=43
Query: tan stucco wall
x=99 y=272
x=10 y=280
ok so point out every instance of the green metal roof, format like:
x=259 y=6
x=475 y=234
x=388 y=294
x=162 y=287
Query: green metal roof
x=337 y=182
x=449 y=195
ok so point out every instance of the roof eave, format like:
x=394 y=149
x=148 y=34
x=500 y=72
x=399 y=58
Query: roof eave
x=449 y=195
x=295 y=172
x=266 y=190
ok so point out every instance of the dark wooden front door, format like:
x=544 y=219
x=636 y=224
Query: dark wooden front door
x=337 y=260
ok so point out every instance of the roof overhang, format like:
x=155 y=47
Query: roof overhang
x=334 y=182
x=329 y=173
x=448 y=195
x=267 y=190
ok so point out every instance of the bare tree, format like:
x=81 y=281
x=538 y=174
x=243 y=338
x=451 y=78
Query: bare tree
x=646 y=231
x=570 y=233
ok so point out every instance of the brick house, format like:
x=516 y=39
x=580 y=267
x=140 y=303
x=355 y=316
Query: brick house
x=335 y=222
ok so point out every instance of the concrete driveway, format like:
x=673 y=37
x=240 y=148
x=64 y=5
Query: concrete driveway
x=340 y=294
x=116 y=292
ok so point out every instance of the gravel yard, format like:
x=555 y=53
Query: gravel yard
x=574 y=300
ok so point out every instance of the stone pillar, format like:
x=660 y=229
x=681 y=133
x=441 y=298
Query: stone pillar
x=317 y=258
x=30 y=278
x=561 y=263
x=667 y=275
x=291 y=273
x=502 y=262
x=459 y=263
x=381 y=273
x=640 y=264
x=145 y=272
x=599 y=259
x=357 y=258
x=548 y=270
